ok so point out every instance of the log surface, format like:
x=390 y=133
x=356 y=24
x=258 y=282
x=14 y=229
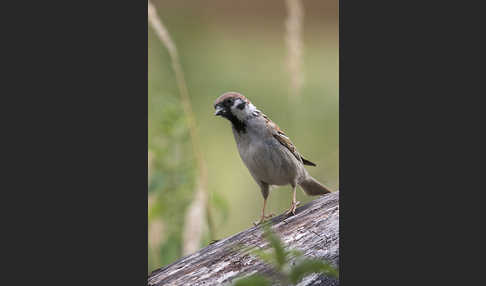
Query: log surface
x=314 y=230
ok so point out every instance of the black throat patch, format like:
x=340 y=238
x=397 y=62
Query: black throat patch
x=239 y=125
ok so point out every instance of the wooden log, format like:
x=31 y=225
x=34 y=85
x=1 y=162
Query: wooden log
x=314 y=230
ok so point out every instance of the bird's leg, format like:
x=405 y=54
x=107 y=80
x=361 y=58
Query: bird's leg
x=263 y=218
x=294 y=203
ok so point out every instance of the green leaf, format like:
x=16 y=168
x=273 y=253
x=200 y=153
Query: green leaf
x=280 y=254
x=295 y=253
x=309 y=266
x=265 y=256
x=253 y=280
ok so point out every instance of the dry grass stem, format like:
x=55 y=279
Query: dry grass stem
x=193 y=228
x=201 y=197
x=294 y=25
x=160 y=29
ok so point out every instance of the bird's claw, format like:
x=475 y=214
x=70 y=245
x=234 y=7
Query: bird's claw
x=262 y=219
x=292 y=209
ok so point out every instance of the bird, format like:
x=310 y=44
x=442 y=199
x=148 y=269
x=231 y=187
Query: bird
x=267 y=152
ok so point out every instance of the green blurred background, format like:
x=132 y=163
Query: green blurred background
x=234 y=46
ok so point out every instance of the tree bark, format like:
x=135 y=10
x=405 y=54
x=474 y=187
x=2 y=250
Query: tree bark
x=314 y=230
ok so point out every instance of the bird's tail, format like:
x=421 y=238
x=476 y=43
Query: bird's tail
x=312 y=187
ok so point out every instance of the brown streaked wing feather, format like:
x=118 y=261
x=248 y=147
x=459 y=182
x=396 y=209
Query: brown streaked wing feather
x=285 y=141
x=288 y=144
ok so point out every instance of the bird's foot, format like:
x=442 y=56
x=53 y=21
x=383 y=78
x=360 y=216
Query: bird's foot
x=293 y=206
x=262 y=219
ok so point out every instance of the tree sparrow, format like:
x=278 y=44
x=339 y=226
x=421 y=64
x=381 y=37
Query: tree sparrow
x=267 y=152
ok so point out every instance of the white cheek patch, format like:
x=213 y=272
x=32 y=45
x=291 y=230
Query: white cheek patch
x=242 y=114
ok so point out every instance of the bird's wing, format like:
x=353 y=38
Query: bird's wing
x=285 y=140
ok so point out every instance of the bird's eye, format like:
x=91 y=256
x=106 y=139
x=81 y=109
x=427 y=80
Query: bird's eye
x=241 y=106
x=229 y=101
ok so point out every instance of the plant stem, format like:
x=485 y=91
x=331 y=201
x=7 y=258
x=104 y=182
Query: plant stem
x=163 y=35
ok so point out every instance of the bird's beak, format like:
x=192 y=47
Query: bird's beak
x=219 y=111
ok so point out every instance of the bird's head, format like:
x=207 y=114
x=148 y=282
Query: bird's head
x=233 y=105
